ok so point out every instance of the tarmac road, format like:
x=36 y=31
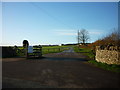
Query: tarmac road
x=69 y=51
x=62 y=70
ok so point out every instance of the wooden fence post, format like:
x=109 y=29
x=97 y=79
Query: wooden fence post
x=26 y=51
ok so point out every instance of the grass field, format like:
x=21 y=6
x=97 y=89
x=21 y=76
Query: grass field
x=54 y=49
x=85 y=51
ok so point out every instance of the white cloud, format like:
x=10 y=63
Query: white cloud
x=74 y=32
x=67 y=32
x=64 y=30
x=95 y=32
x=63 y=33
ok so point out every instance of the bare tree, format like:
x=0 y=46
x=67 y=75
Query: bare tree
x=83 y=36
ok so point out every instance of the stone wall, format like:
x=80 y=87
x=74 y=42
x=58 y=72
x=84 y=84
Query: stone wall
x=109 y=55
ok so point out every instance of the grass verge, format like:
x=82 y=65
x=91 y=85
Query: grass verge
x=111 y=67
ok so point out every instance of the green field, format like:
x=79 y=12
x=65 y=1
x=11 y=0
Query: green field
x=54 y=49
x=85 y=51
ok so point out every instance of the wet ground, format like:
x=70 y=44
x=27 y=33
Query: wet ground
x=57 y=70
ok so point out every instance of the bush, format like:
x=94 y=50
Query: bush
x=8 y=52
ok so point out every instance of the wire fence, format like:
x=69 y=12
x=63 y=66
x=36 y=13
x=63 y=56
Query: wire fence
x=53 y=50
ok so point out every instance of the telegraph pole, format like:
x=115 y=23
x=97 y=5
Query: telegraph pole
x=78 y=37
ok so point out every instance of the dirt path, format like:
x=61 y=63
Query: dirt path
x=64 y=70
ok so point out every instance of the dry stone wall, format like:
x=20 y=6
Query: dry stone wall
x=109 y=55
